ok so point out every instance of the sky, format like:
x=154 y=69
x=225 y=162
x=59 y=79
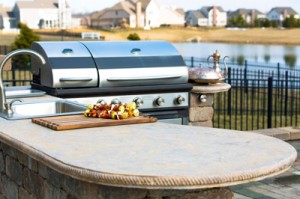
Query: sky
x=84 y=6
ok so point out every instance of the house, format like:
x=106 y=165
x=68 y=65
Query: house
x=195 y=18
x=248 y=14
x=207 y=16
x=136 y=14
x=279 y=14
x=7 y=19
x=171 y=16
x=43 y=13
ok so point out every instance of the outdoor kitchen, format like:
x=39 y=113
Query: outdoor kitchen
x=51 y=149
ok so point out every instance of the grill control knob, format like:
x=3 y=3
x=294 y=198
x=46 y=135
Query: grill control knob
x=159 y=101
x=101 y=101
x=138 y=101
x=115 y=101
x=179 y=100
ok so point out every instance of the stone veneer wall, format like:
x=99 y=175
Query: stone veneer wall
x=201 y=113
x=22 y=177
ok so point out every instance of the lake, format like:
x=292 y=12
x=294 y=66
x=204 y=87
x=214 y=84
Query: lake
x=253 y=53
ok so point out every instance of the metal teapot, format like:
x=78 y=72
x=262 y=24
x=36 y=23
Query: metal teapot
x=211 y=74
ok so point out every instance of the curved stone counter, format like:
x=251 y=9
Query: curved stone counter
x=152 y=156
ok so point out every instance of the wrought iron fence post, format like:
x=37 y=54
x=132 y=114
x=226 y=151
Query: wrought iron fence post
x=286 y=92
x=270 y=101
x=13 y=72
x=278 y=71
x=245 y=77
x=229 y=92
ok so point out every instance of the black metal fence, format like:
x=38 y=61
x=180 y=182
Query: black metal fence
x=16 y=77
x=260 y=97
x=4 y=49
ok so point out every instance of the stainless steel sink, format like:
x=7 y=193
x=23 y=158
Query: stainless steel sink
x=43 y=109
x=11 y=94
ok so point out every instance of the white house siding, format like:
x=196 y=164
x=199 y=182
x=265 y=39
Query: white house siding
x=132 y=21
x=221 y=18
x=202 y=22
x=34 y=17
x=152 y=15
x=261 y=16
x=171 y=17
x=7 y=23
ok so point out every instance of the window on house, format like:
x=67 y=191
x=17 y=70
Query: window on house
x=117 y=12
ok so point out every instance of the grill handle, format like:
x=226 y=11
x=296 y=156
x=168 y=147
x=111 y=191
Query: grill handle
x=143 y=78
x=73 y=79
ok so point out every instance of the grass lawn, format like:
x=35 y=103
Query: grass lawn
x=180 y=34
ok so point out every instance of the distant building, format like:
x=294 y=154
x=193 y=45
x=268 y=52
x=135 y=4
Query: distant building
x=7 y=19
x=248 y=14
x=207 y=16
x=279 y=14
x=42 y=13
x=137 y=14
x=196 y=18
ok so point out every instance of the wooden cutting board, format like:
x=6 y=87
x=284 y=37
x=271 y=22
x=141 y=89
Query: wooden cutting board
x=68 y=122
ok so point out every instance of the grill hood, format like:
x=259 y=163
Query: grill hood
x=108 y=64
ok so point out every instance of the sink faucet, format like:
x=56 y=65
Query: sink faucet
x=3 y=103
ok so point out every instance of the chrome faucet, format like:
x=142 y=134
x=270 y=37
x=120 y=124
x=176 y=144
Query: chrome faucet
x=3 y=104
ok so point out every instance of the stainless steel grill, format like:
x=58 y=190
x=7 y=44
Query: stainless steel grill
x=151 y=73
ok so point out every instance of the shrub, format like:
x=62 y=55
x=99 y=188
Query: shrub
x=23 y=40
x=133 y=37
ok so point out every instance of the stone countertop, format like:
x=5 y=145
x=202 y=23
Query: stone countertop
x=152 y=156
x=211 y=88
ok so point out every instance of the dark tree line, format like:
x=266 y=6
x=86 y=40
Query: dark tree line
x=240 y=22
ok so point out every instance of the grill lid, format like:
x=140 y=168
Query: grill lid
x=109 y=64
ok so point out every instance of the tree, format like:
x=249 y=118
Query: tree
x=133 y=36
x=238 y=21
x=290 y=22
x=23 y=40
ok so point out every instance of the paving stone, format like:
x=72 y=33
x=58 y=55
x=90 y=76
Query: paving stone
x=294 y=132
x=239 y=196
x=273 y=193
x=275 y=132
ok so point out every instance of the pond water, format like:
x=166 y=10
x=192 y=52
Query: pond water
x=253 y=53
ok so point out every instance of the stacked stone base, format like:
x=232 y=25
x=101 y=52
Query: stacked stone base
x=201 y=113
x=22 y=177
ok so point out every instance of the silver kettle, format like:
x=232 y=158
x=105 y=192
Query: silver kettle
x=210 y=74
x=216 y=57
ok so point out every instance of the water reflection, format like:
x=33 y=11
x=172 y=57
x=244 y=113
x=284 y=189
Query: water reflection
x=267 y=58
x=265 y=54
x=290 y=60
